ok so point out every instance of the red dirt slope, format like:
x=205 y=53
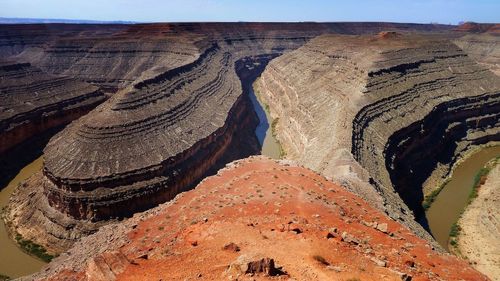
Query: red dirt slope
x=258 y=218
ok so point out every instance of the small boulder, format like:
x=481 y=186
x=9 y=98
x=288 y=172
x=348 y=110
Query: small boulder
x=231 y=247
x=245 y=264
x=349 y=238
x=382 y=227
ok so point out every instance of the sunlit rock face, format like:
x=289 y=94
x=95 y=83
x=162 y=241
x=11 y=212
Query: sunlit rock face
x=385 y=109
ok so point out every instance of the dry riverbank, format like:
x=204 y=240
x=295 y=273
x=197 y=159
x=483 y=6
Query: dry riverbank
x=480 y=227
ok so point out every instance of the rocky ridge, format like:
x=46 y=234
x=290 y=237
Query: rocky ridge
x=258 y=219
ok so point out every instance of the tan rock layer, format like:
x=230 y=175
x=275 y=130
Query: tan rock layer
x=34 y=102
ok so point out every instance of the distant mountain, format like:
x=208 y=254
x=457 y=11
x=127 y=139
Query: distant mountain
x=34 y=20
x=475 y=27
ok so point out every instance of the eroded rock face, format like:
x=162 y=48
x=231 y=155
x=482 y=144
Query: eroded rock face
x=380 y=98
x=483 y=48
x=258 y=204
x=156 y=139
x=111 y=56
x=33 y=101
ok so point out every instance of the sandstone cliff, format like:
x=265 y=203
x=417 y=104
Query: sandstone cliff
x=388 y=100
x=258 y=220
x=33 y=103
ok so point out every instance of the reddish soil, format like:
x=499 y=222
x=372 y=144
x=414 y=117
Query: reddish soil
x=479 y=27
x=388 y=35
x=257 y=208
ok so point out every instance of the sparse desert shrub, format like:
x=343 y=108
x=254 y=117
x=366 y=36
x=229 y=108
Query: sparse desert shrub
x=455 y=229
x=33 y=248
x=321 y=259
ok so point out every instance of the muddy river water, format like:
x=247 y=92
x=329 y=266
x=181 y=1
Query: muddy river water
x=270 y=146
x=450 y=202
x=13 y=261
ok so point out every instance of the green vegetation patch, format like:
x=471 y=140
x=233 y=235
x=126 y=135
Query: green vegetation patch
x=429 y=199
x=479 y=179
x=33 y=249
x=4 y=277
x=274 y=123
x=273 y=130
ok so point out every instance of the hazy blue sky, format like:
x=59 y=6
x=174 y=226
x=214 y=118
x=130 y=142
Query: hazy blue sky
x=424 y=11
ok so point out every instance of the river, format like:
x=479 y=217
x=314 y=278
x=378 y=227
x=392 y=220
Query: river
x=13 y=261
x=270 y=146
x=449 y=204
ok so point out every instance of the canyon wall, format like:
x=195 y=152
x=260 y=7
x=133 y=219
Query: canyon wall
x=110 y=56
x=373 y=99
x=483 y=48
x=33 y=104
x=150 y=141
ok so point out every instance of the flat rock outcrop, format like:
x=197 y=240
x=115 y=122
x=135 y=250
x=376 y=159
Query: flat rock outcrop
x=258 y=219
x=400 y=105
x=483 y=48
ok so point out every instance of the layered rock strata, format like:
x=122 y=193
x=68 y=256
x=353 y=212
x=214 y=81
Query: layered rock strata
x=153 y=137
x=177 y=115
x=376 y=97
x=258 y=219
x=34 y=103
x=114 y=56
x=483 y=48
x=146 y=144
x=111 y=56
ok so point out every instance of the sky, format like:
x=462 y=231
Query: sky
x=418 y=11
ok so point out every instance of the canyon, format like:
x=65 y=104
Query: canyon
x=394 y=96
x=137 y=115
